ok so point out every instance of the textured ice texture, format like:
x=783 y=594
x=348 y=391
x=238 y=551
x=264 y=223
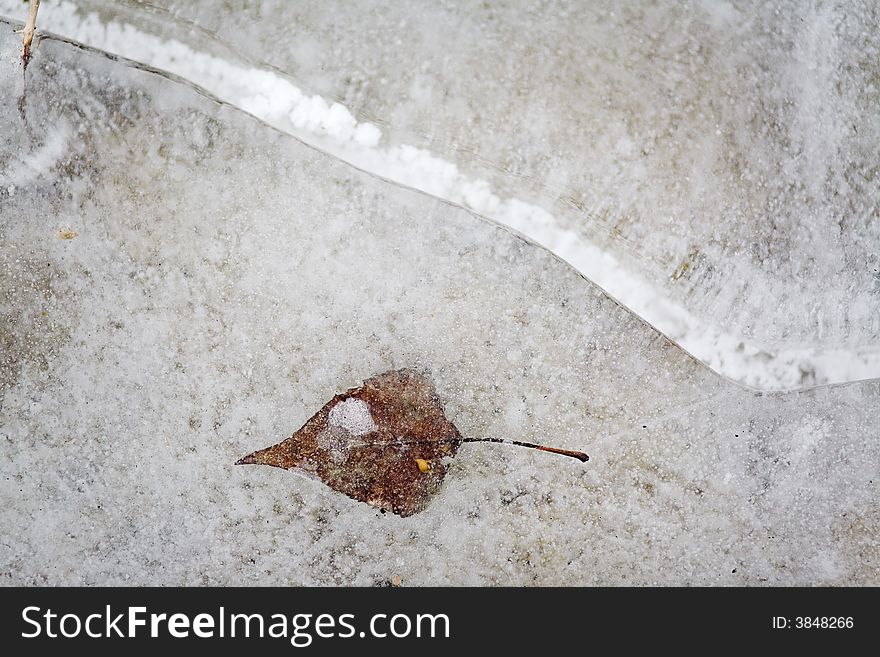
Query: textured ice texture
x=225 y=281
x=711 y=165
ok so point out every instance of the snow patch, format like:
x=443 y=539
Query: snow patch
x=354 y=416
x=38 y=162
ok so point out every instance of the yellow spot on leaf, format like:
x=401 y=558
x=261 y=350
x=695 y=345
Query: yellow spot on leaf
x=424 y=466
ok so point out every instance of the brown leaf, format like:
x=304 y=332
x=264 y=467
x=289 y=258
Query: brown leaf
x=383 y=443
x=368 y=442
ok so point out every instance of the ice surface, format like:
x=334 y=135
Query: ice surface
x=711 y=165
x=225 y=281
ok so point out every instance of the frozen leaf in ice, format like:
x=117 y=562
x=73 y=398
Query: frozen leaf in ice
x=368 y=443
x=383 y=443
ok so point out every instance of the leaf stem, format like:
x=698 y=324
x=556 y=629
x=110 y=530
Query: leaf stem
x=580 y=456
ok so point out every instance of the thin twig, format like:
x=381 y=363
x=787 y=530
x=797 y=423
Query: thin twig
x=580 y=456
x=28 y=32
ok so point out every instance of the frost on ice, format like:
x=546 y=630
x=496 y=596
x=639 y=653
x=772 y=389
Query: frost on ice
x=353 y=415
x=711 y=166
x=226 y=279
